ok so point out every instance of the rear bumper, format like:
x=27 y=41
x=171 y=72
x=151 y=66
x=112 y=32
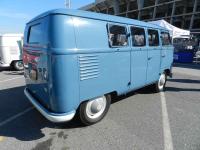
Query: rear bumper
x=53 y=117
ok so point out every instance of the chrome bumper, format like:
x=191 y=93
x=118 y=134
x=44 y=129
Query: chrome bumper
x=54 y=117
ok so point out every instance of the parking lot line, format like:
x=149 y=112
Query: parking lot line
x=10 y=79
x=1 y=138
x=16 y=116
x=168 y=144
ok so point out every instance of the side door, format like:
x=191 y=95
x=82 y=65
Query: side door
x=153 y=56
x=167 y=50
x=119 y=56
x=138 y=57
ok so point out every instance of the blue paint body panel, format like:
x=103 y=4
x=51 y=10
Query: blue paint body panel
x=74 y=62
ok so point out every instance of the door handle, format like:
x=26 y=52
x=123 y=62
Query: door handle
x=149 y=58
x=163 y=55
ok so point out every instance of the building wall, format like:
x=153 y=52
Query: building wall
x=181 y=13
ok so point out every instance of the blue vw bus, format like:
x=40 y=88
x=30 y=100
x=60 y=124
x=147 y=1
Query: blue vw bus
x=75 y=61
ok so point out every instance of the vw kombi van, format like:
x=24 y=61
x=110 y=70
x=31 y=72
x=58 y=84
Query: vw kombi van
x=75 y=61
x=11 y=51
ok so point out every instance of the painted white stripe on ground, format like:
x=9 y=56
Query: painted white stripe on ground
x=168 y=144
x=186 y=71
x=16 y=116
x=10 y=79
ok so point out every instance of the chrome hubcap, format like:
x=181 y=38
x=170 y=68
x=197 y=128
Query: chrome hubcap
x=96 y=107
x=162 y=81
x=19 y=65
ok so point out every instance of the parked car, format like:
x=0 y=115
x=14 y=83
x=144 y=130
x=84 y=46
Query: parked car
x=75 y=61
x=185 y=48
x=10 y=51
x=198 y=54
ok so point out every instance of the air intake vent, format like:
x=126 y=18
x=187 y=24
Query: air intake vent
x=89 y=66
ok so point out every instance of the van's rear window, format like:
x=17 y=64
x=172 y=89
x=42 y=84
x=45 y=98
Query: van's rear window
x=35 y=34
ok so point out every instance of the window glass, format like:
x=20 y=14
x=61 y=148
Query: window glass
x=117 y=35
x=165 y=37
x=153 y=37
x=35 y=34
x=138 y=36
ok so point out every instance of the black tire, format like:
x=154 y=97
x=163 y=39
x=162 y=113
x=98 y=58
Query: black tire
x=158 y=87
x=84 y=117
x=18 y=65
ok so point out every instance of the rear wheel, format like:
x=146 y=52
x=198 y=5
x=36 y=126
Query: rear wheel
x=160 y=84
x=94 y=110
x=18 y=65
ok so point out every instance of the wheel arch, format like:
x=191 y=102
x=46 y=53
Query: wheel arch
x=168 y=72
x=112 y=94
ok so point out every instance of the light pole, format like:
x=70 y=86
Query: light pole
x=68 y=3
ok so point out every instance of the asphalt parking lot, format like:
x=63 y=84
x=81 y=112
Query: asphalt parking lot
x=140 y=120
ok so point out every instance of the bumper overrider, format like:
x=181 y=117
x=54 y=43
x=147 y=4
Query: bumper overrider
x=53 y=117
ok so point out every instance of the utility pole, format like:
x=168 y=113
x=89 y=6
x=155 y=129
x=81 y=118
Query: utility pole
x=68 y=4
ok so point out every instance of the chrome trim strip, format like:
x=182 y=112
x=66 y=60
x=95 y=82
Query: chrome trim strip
x=54 y=117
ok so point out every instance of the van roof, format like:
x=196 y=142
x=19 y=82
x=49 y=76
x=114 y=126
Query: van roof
x=98 y=16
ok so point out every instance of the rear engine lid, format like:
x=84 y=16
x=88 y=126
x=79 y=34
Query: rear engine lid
x=35 y=56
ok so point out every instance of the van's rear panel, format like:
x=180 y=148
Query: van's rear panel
x=35 y=57
x=50 y=66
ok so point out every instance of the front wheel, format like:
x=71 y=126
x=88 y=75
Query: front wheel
x=94 y=110
x=18 y=65
x=160 y=84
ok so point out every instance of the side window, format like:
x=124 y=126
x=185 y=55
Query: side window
x=138 y=36
x=117 y=35
x=153 y=37
x=35 y=34
x=165 y=37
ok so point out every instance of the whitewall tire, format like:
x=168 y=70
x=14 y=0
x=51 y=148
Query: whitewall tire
x=94 y=110
x=18 y=65
x=160 y=84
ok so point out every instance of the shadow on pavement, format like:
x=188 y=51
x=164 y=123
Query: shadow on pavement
x=28 y=126
x=5 y=69
x=14 y=73
x=185 y=81
x=116 y=98
x=32 y=125
x=145 y=90
x=176 y=89
x=10 y=71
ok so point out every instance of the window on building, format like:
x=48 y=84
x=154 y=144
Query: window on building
x=138 y=36
x=117 y=35
x=165 y=37
x=153 y=37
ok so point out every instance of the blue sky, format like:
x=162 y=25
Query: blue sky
x=15 y=13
